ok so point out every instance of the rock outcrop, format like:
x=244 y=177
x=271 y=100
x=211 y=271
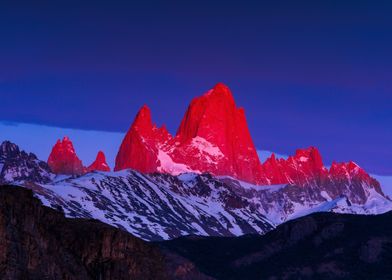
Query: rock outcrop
x=17 y=165
x=213 y=137
x=99 y=164
x=63 y=159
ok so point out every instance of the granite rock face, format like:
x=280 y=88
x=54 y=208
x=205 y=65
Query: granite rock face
x=63 y=159
x=99 y=164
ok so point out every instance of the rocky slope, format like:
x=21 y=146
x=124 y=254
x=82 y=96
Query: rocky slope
x=17 y=165
x=156 y=206
x=161 y=206
x=306 y=169
x=37 y=242
x=320 y=246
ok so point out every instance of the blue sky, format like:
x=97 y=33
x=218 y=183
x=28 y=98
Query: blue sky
x=308 y=73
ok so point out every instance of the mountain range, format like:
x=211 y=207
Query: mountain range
x=195 y=205
x=206 y=180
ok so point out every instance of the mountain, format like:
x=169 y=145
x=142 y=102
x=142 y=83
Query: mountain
x=160 y=206
x=140 y=148
x=306 y=169
x=40 y=243
x=63 y=159
x=99 y=164
x=213 y=137
x=17 y=165
x=155 y=206
x=319 y=246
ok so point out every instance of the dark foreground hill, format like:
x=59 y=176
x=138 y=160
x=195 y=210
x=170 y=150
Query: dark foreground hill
x=319 y=246
x=37 y=242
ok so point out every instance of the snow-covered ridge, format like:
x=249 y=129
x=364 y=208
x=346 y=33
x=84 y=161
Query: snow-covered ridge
x=155 y=207
x=161 y=206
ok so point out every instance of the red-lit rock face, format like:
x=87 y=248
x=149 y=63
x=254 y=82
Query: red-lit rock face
x=63 y=159
x=99 y=164
x=304 y=168
x=213 y=137
x=139 y=149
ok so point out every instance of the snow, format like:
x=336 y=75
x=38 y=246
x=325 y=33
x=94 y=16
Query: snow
x=325 y=195
x=324 y=207
x=155 y=207
x=303 y=159
x=171 y=167
x=148 y=207
x=206 y=147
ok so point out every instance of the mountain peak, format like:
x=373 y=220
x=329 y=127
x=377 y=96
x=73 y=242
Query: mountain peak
x=219 y=95
x=213 y=137
x=311 y=154
x=143 y=120
x=99 y=164
x=63 y=158
x=222 y=90
x=139 y=148
x=8 y=147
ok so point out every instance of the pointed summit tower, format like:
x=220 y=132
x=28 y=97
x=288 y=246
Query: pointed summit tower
x=63 y=158
x=99 y=164
x=214 y=123
x=213 y=137
x=139 y=149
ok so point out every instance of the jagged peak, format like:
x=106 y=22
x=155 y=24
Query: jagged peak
x=65 y=144
x=219 y=92
x=206 y=109
x=8 y=146
x=101 y=156
x=271 y=159
x=143 y=119
x=99 y=164
x=63 y=158
x=309 y=154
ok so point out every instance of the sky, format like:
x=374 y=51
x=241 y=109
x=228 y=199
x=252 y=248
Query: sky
x=308 y=73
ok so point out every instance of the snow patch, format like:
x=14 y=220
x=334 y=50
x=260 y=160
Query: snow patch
x=171 y=167
x=206 y=147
